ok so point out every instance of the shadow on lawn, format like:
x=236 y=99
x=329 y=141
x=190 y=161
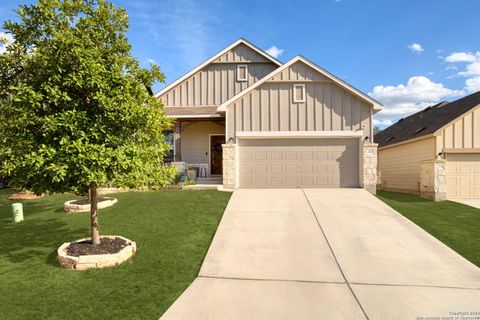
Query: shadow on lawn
x=35 y=238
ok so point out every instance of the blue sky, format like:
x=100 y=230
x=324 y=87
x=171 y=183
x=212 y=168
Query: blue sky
x=406 y=54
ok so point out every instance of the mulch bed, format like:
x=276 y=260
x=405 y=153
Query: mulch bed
x=106 y=246
x=86 y=201
x=25 y=195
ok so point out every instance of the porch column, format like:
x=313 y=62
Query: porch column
x=370 y=167
x=177 y=128
x=229 y=165
x=433 y=180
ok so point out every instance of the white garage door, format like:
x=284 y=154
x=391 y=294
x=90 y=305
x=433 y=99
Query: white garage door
x=463 y=175
x=290 y=163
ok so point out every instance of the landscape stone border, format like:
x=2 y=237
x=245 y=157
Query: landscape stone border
x=69 y=206
x=95 y=260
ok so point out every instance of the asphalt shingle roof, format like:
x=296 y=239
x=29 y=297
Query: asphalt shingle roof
x=426 y=121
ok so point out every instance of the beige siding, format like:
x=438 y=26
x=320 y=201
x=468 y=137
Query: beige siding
x=399 y=167
x=462 y=134
x=270 y=106
x=217 y=82
x=195 y=140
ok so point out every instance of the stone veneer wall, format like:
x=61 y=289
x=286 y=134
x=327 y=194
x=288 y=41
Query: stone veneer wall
x=229 y=165
x=433 y=180
x=370 y=159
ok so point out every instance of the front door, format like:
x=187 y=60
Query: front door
x=216 y=153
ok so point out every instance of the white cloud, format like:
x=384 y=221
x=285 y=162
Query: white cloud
x=462 y=57
x=5 y=40
x=471 y=71
x=151 y=61
x=382 y=122
x=416 y=47
x=404 y=99
x=274 y=51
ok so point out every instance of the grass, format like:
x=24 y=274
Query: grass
x=172 y=228
x=455 y=224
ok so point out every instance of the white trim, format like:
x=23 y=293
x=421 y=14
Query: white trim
x=210 y=148
x=297 y=134
x=196 y=116
x=238 y=72
x=213 y=58
x=377 y=106
x=294 y=88
x=461 y=150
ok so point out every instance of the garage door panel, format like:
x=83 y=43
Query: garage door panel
x=463 y=175
x=260 y=155
x=321 y=155
x=277 y=155
x=299 y=163
x=260 y=168
x=307 y=169
x=277 y=168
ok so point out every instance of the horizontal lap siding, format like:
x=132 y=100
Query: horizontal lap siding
x=217 y=82
x=399 y=167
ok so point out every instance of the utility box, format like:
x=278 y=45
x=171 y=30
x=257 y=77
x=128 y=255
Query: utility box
x=17 y=211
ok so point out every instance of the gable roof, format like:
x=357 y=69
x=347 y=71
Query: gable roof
x=377 y=106
x=213 y=58
x=426 y=122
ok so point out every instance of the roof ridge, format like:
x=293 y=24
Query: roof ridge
x=213 y=58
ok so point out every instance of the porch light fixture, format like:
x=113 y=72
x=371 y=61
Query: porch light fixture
x=230 y=140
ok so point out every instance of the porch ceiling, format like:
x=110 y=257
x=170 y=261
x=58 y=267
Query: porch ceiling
x=186 y=111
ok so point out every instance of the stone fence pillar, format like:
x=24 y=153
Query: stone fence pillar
x=370 y=167
x=229 y=165
x=433 y=180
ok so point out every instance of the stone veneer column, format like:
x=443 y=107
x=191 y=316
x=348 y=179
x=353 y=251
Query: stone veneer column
x=433 y=180
x=229 y=165
x=370 y=167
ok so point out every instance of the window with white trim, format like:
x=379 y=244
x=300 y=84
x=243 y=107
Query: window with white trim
x=298 y=92
x=242 y=72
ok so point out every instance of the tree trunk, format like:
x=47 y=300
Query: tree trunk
x=94 y=214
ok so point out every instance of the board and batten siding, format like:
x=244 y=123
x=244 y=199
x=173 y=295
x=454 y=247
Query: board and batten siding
x=217 y=82
x=270 y=106
x=464 y=133
x=399 y=166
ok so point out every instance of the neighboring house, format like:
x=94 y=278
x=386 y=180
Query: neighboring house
x=259 y=123
x=434 y=152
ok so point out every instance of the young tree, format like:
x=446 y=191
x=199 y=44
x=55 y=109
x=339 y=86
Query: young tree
x=75 y=108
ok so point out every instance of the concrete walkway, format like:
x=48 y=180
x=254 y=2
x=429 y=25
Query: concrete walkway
x=324 y=254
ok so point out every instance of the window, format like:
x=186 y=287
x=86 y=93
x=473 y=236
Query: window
x=169 y=140
x=298 y=93
x=242 y=72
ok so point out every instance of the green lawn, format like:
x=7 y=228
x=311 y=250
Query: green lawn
x=454 y=224
x=172 y=228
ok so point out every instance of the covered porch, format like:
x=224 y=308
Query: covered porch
x=198 y=135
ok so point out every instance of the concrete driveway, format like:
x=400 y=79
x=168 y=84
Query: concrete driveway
x=325 y=254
